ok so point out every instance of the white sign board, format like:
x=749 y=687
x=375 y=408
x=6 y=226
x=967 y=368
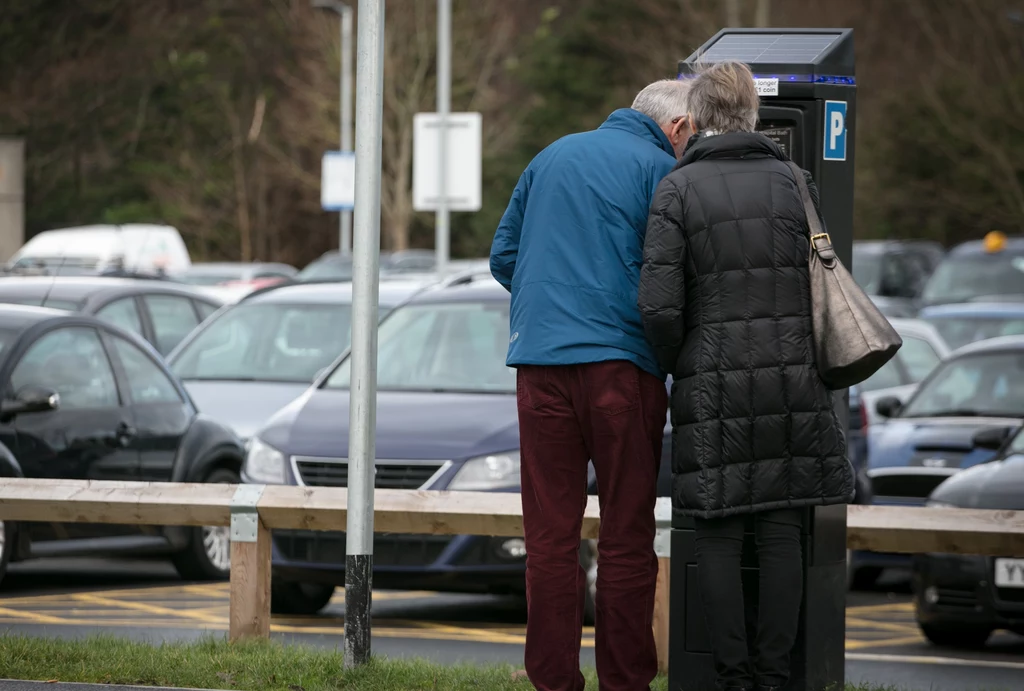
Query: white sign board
x=465 y=153
x=767 y=86
x=338 y=181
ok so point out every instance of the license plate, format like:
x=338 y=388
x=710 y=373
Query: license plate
x=1010 y=573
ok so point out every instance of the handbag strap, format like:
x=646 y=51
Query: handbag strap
x=820 y=241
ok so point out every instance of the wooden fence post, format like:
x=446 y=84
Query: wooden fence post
x=661 y=613
x=250 y=567
x=662 y=548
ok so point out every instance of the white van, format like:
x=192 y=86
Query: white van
x=133 y=247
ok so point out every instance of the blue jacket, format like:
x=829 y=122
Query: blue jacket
x=570 y=244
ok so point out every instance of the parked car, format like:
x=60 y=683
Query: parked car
x=985 y=270
x=256 y=356
x=91 y=250
x=162 y=312
x=893 y=272
x=923 y=349
x=930 y=437
x=958 y=599
x=334 y=266
x=446 y=419
x=230 y=281
x=86 y=400
x=963 y=323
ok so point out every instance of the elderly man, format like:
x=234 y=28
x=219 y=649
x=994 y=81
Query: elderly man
x=569 y=249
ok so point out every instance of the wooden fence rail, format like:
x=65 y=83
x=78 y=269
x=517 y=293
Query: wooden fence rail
x=252 y=511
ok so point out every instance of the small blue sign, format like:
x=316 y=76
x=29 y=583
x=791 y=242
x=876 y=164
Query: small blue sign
x=835 y=131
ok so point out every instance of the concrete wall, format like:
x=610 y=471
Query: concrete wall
x=12 y=196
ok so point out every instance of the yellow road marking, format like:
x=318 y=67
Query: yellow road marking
x=883 y=642
x=143 y=607
x=31 y=616
x=883 y=625
x=894 y=607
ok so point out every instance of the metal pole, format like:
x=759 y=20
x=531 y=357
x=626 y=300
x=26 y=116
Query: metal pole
x=444 y=85
x=345 y=241
x=365 y=286
x=763 y=18
x=732 y=13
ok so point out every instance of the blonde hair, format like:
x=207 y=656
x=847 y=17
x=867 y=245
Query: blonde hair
x=663 y=100
x=723 y=97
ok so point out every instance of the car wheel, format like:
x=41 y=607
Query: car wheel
x=8 y=536
x=208 y=555
x=860 y=577
x=955 y=637
x=299 y=598
x=588 y=560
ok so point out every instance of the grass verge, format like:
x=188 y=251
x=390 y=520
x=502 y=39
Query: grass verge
x=258 y=666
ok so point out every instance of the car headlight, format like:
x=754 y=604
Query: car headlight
x=497 y=471
x=264 y=463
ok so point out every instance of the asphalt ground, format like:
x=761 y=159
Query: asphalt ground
x=145 y=600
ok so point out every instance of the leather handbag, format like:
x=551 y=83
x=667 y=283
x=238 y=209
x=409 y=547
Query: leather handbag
x=852 y=338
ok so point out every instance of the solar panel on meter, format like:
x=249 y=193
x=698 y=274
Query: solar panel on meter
x=770 y=48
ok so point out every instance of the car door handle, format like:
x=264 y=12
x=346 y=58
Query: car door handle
x=125 y=433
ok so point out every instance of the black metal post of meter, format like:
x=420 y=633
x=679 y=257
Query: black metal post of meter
x=808 y=106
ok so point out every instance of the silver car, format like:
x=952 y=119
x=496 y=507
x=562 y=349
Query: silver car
x=251 y=359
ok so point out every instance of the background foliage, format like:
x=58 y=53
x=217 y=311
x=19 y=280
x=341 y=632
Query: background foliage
x=212 y=115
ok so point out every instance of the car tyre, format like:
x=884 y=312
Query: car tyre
x=860 y=577
x=8 y=543
x=289 y=597
x=955 y=637
x=588 y=560
x=208 y=555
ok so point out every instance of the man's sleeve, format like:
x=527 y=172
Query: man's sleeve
x=662 y=278
x=505 y=248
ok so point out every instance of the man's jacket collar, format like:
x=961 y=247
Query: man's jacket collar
x=635 y=122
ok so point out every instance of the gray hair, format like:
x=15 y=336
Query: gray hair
x=723 y=97
x=664 y=100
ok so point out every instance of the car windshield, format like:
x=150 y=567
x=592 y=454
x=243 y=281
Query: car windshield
x=332 y=269
x=959 y=331
x=981 y=384
x=267 y=342
x=887 y=376
x=867 y=269
x=959 y=279
x=209 y=278
x=441 y=347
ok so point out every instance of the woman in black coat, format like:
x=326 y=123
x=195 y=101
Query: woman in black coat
x=725 y=299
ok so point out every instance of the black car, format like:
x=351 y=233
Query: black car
x=86 y=400
x=162 y=312
x=894 y=272
x=960 y=600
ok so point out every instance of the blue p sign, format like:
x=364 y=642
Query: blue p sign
x=835 y=131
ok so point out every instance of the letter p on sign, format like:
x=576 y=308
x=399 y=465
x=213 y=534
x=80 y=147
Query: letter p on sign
x=835 y=131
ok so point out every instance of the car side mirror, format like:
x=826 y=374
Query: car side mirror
x=31 y=399
x=888 y=406
x=991 y=438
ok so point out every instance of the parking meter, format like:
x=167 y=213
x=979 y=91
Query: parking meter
x=805 y=78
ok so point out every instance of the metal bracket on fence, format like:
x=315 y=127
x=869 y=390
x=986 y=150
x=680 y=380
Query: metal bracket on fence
x=663 y=523
x=244 y=518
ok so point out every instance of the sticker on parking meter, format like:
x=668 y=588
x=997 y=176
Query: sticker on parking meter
x=835 y=131
x=766 y=86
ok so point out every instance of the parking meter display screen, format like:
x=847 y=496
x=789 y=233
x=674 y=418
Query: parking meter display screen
x=783 y=136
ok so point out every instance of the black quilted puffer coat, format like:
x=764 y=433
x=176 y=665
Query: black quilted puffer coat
x=725 y=299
